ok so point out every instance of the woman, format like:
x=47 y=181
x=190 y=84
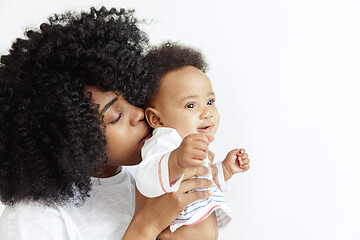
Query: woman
x=70 y=103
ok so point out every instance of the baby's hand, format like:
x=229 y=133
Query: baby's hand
x=236 y=161
x=193 y=150
x=244 y=161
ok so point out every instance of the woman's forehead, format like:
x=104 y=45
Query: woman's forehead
x=101 y=97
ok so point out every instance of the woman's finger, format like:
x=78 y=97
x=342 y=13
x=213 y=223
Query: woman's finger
x=196 y=196
x=199 y=171
x=194 y=183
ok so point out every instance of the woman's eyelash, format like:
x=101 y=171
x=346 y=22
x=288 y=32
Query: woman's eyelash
x=117 y=119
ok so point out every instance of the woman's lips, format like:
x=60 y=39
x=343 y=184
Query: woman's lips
x=146 y=137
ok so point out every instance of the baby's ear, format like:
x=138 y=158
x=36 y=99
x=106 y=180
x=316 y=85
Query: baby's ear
x=152 y=117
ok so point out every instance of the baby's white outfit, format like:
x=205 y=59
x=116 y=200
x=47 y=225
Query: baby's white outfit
x=152 y=180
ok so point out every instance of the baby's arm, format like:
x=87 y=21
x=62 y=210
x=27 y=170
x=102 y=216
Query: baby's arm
x=191 y=153
x=236 y=161
x=162 y=168
x=166 y=207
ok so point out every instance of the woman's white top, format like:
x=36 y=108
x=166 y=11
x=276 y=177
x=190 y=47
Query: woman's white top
x=105 y=215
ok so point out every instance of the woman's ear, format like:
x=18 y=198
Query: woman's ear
x=152 y=117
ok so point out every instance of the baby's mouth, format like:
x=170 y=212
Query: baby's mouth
x=205 y=129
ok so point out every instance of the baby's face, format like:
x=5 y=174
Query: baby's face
x=186 y=102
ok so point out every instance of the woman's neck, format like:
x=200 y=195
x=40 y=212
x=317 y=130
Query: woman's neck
x=106 y=171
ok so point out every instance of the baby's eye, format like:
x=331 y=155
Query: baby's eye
x=211 y=102
x=190 y=105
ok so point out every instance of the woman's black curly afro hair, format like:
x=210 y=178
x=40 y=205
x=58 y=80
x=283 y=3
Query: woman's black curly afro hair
x=171 y=56
x=52 y=136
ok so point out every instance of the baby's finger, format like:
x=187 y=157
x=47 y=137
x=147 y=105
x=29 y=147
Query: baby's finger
x=199 y=145
x=243 y=156
x=211 y=138
x=245 y=161
x=214 y=169
x=242 y=151
x=245 y=167
x=240 y=161
x=203 y=138
x=198 y=154
x=211 y=156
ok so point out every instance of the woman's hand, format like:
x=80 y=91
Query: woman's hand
x=153 y=215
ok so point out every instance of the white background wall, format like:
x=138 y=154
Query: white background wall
x=286 y=75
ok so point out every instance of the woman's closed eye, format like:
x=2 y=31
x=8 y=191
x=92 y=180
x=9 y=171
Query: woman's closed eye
x=116 y=116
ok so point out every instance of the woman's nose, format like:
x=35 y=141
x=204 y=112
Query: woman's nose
x=137 y=115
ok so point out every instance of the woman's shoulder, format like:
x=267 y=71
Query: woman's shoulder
x=30 y=208
x=31 y=220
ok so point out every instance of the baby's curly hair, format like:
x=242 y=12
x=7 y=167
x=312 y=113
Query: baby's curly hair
x=52 y=136
x=171 y=56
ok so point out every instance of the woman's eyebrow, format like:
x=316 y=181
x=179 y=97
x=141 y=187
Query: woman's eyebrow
x=108 y=105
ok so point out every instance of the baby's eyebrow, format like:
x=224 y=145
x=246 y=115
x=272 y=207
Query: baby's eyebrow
x=192 y=96
x=108 y=105
x=197 y=96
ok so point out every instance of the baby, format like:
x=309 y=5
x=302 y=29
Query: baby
x=183 y=114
